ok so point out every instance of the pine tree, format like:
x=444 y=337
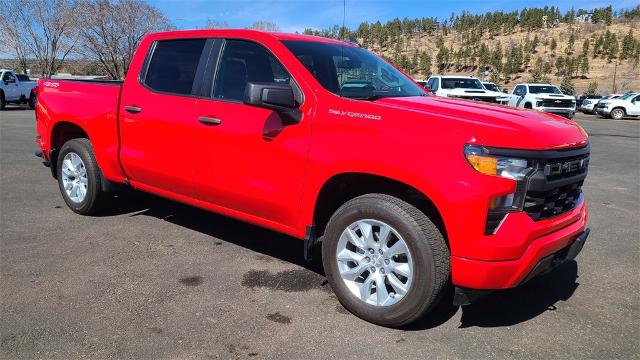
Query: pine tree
x=553 y=46
x=425 y=63
x=592 y=89
x=585 y=47
x=584 y=66
x=628 y=45
x=567 y=85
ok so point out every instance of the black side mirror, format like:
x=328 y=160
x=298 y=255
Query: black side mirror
x=274 y=96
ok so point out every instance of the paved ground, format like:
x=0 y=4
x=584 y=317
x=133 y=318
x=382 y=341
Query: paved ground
x=155 y=279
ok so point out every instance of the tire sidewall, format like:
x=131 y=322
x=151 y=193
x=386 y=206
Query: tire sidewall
x=417 y=298
x=93 y=180
x=616 y=111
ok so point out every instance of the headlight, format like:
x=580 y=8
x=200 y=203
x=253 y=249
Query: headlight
x=510 y=168
x=515 y=169
x=586 y=102
x=539 y=103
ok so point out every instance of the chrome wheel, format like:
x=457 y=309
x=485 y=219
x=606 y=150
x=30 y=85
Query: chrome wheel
x=74 y=177
x=617 y=114
x=374 y=262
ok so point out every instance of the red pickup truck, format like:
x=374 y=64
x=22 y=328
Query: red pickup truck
x=324 y=141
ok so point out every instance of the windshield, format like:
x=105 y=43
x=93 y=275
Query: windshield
x=490 y=86
x=544 y=89
x=627 y=96
x=351 y=71
x=461 y=83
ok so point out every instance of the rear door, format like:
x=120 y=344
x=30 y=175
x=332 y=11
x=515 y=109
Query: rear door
x=251 y=161
x=158 y=117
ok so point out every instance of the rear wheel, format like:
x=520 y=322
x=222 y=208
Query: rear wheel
x=527 y=106
x=79 y=177
x=3 y=102
x=385 y=260
x=32 y=101
x=617 y=113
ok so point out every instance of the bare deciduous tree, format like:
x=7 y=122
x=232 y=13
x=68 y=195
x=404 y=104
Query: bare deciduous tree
x=264 y=26
x=215 y=24
x=111 y=30
x=13 y=39
x=44 y=29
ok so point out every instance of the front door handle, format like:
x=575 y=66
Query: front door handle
x=132 y=109
x=209 y=120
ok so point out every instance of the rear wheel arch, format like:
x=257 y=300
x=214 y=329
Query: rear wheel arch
x=528 y=106
x=62 y=132
x=343 y=187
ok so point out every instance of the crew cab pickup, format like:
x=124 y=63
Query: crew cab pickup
x=617 y=108
x=543 y=97
x=464 y=87
x=326 y=142
x=17 y=89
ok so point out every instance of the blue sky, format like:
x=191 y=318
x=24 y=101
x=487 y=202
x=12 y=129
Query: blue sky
x=296 y=15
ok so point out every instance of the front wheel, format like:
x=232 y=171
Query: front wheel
x=32 y=101
x=79 y=177
x=617 y=113
x=385 y=260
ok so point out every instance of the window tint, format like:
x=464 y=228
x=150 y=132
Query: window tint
x=173 y=66
x=436 y=84
x=22 y=77
x=519 y=90
x=8 y=77
x=243 y=62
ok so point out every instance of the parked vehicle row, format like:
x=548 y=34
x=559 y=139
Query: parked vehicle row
x=619 y=106
x=16 y=89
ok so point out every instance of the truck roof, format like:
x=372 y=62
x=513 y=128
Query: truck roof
x=246 y=33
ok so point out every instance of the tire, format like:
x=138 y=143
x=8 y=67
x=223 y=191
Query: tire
x=93 y=199
x=527 y=106
x=427 y=257
x=32 y=101
x=617 y=113
x=3 y=102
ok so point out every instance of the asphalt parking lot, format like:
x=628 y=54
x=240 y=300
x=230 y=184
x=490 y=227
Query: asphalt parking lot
x=155 y=279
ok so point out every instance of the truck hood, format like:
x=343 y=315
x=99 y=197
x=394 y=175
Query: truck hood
x=495 y=125
x=552 y=96
x=473 y=92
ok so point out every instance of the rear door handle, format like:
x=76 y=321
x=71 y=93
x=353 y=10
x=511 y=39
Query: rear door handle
x=132 y=109
x=209 y=121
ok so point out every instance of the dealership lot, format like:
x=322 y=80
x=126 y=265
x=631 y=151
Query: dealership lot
x=155 y=279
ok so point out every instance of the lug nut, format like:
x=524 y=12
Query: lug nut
x=392 y=294
x=367 y=259
x=370 y=251
x=373 y=269
x=382 y=271
x=380 y=251
x=386 y=261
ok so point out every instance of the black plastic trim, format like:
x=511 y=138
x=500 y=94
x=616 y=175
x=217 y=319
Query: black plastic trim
x=539 y=154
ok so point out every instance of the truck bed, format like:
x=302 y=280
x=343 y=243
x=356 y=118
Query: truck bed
x=91 y=105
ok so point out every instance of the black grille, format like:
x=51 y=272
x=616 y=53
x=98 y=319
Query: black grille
x=480 y=98
x=555 y=187
x=546 y=204
x=557 y=103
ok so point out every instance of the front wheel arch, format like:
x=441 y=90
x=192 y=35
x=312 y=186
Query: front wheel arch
x=624 y=113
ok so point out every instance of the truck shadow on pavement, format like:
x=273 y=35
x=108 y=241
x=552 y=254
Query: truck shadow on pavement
x=501 y=308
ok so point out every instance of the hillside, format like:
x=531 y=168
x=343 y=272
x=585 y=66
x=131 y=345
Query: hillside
x=579 y=49
x=600 y=70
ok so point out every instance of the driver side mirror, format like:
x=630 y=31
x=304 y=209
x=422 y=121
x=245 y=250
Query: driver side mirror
x=278 y=97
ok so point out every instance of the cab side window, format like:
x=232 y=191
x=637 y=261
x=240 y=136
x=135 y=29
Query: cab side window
x=173 y=66
x=436 y=84
x=519 y=90
x=8 y=77
x=243 y=62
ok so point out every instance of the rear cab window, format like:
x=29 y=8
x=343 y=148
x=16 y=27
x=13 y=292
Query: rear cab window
x=173 y=66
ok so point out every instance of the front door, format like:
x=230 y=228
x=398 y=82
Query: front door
x=251 y=161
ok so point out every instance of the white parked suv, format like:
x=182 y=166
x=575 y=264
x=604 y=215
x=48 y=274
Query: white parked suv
x=543 y=97
x=626 y=105
x=463 y=87
x=16 y=89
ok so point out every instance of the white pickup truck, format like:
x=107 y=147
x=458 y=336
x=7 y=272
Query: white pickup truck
x=464 y=87
x=617 y=108
x=16 y=89
x=543 y=97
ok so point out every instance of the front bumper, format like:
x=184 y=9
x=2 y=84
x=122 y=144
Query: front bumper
x=587 y=108
x=603 y=111
x=569 y=112
x=497 y=274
